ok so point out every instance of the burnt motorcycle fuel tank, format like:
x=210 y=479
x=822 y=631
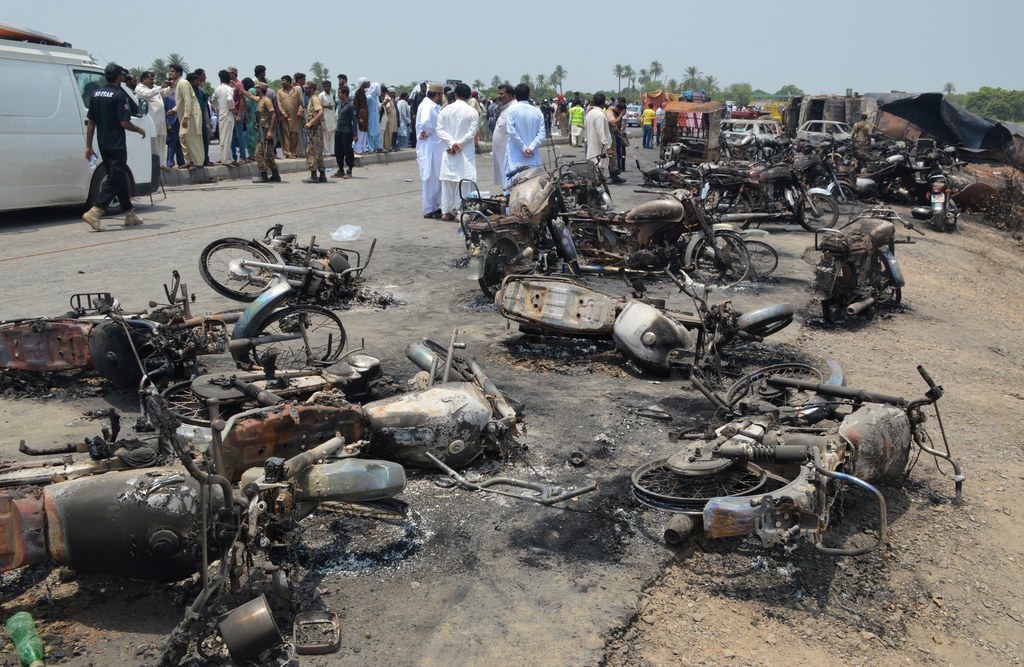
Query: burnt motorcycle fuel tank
x=880 y=434
x=141 y=524
x=557 y=305
x=532 y=198
x=648 y=337
x=665 y=209
x=448 y=420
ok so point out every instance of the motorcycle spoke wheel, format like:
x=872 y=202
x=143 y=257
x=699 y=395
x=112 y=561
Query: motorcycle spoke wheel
x=317 y=338
x=658 y=486
x=114 y=354
x=497 y=265
x=726 y=267
x=219 y=267
x=827 y=212
x=753 y=385
x=833 y=309
x=764 y=259
x=188 y=407
x=888 y=293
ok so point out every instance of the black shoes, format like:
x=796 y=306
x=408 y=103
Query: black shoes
x=262 y=179
x=435 y=215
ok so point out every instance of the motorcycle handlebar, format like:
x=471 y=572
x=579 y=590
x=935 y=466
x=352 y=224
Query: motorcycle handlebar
x=837 y=391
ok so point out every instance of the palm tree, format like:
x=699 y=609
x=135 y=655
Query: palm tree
x=478 y=84
x=320 y=73
x=692 y=78
x=629 y=74
x=949 y=88
x=644 y=77
x=159 y=67
x=655 y=69
x=557 y=77
x=540 y=80
x=136 y=72
x=710 y=85
x=525 y=79
x=176 y=59
x=619 y=71
x=496 y=81
x=672 y=85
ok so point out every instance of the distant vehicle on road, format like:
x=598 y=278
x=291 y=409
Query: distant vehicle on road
x=816 y=131
x=42 y=130
x=633 y=115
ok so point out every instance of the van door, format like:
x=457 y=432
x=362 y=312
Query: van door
x=140 y=151
x=43 y=137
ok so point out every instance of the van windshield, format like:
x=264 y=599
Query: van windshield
x=88 y=83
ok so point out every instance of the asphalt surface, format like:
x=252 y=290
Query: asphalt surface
x=470 y=579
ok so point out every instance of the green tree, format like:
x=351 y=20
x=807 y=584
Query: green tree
x=540 y=80
x=996 y=103
x=525 y=79
x=643 y=76
x=740 y=93
x=557 y=77
x=177 y=59
x=478 y=85
x=949 y=88
x=655 y=69
x=673 y=86
x=319 y=72
x=710 y=85
x=629 y=75
x=496 y=81
x=159 y=67
x=692 y=78
x=789 y=90
x=136 y=72
x=620 y=72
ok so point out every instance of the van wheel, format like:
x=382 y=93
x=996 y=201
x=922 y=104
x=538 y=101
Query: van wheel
x=97 y=182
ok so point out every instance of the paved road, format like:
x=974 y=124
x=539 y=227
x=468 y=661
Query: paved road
x=474 y=580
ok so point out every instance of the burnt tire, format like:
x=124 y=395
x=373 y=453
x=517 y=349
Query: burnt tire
x=116 y=356
x=827 y=216
x=722 y=261
x=318 y=338
x=764 y=259
x=215 y=266
x=497 y=264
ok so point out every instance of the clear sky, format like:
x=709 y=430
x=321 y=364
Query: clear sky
x=821 y=46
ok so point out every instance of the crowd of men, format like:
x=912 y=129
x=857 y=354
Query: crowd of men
x=304 y=119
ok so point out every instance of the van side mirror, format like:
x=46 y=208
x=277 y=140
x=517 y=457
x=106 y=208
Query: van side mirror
x=143 y=108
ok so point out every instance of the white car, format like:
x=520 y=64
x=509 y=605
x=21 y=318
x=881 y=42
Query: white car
x=816 y=131
x=736 y=130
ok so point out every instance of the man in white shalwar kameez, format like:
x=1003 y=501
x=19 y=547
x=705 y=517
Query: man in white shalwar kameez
x=598 y=134
x=457 y=125
x=429 y=150
x=525 y=133
x=499 y=139
x=147 y=90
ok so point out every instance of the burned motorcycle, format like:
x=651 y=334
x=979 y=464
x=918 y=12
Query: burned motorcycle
x=942 y=212
x=767 y=193
x=242 y=269
x=761 y=476
x=160 y=344
x=858 y=267
x=654 y=338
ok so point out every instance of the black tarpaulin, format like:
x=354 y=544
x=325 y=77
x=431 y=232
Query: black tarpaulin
x=933 y=114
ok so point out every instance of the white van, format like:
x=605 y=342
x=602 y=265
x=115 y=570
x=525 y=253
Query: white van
x=42 y=125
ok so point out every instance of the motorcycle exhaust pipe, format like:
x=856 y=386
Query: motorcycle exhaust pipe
x=859 y=307
x=743 y=217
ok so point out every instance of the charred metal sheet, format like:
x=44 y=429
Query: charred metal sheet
x=46 y=345
x=666 y=209
x=136 y=524
x=22 y=538
x=287 y=430
x=880 y=434
x=729 y=516
x=561 y=305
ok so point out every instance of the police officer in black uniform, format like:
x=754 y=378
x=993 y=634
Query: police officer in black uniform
x=110 y=114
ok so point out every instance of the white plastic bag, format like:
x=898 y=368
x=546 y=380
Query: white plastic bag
x=347 y=233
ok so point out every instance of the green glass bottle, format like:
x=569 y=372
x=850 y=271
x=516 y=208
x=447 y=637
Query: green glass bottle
x=26 y=640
